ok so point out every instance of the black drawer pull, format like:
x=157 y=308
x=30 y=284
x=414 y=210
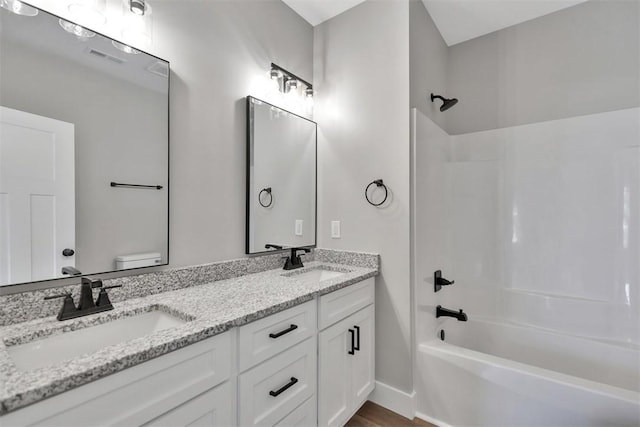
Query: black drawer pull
x=284 y=387
x=353 y=342
x=357 y=346
x=286 y=331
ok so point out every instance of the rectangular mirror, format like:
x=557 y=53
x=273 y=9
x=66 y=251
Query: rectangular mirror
x=281 y=178
x=84 y=152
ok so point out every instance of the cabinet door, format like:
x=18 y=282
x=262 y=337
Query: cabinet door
x=210 y=409
x=334 y=383
x=363 y=362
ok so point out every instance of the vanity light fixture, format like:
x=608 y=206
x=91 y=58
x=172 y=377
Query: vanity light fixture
x=138 y=23
x=76 y=29
x=89 y=12
x=18 y=7
x=289 y=80
x=137 y=6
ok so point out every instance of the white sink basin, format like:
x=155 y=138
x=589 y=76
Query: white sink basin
x=57 y=348
x=317 y=275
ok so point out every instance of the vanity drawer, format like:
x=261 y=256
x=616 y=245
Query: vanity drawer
x=272 y=390
x=267 y=337
x=138 y=394
x=340 y=304
x=213 y=408
x=303 y=416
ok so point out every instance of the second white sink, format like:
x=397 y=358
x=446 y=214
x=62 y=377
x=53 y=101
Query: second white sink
x=316 y=275
x=57 y=348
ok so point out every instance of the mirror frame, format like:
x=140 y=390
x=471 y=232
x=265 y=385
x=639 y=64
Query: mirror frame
x=248 y=178
x=54 y=281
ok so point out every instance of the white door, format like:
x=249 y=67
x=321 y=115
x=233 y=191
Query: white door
x=37 y=196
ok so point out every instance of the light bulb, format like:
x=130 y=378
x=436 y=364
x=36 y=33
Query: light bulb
x=18 y=7
x=137 y=6
x=309 y=92
x=76 y=29
x=293 y=84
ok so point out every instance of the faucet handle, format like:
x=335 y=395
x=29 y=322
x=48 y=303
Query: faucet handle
x=68 y=306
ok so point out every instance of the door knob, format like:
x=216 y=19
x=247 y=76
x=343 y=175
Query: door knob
x=68 y=252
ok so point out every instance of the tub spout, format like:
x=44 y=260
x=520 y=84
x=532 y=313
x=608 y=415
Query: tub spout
x=460 y=315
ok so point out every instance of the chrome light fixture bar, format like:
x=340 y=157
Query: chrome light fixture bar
x=289 y=80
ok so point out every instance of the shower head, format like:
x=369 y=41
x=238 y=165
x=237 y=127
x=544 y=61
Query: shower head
x=446 y=103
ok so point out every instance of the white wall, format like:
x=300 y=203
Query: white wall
x=361 y=73
x=580 y=60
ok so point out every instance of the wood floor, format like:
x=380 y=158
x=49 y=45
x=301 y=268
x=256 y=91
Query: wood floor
x=372 y=415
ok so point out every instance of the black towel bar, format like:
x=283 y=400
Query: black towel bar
x=152 y=187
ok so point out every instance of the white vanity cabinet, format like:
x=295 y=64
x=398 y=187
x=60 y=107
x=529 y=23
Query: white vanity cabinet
x=276 y=371
x=346 y=353
x=181 y=386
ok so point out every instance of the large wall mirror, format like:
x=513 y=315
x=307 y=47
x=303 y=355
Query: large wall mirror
x=281 y=178
x=84 y=153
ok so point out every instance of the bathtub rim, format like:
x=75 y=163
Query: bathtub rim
x=626 y=395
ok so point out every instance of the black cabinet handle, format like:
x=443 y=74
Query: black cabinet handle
x=284 y=387
x=353 y=341
x=68 y=252
x=286 y=331
x=357 y=346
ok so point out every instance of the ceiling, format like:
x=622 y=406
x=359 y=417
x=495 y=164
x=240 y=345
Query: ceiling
x=457 y=20
x=318 y=11
x=461 y=20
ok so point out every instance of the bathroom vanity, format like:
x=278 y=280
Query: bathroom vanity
x=269 y=348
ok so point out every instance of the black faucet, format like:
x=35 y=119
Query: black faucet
x=439 y=281
x=460 y=315
x=294 y=260
x=86 y=305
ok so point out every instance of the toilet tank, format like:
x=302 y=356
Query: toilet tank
x=147 y=259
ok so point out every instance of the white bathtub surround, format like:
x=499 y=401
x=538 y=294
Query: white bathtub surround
x=539 y=226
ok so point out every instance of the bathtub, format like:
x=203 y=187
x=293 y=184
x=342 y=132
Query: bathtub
x=489 y=373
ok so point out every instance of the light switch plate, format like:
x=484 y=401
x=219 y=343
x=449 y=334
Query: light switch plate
x=298 y=227
x=335 y=229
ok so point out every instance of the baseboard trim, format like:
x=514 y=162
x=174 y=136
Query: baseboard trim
x=432 y=420
x=395 y=400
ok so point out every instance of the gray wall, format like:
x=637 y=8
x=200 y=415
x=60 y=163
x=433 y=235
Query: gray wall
x=361 y=73
x=428 y=62
x=569 y=63
x=109 y=222
x=217 y=49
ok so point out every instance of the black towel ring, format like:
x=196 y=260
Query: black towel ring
x=378 y=183
x=268 y=191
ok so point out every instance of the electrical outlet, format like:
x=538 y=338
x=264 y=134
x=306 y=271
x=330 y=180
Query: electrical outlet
x=298 y=227
x=335 y=229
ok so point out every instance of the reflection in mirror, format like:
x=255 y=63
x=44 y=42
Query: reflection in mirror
x=281 y=178
x=79 y=111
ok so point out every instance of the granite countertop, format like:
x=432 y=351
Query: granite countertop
x=209 y=309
